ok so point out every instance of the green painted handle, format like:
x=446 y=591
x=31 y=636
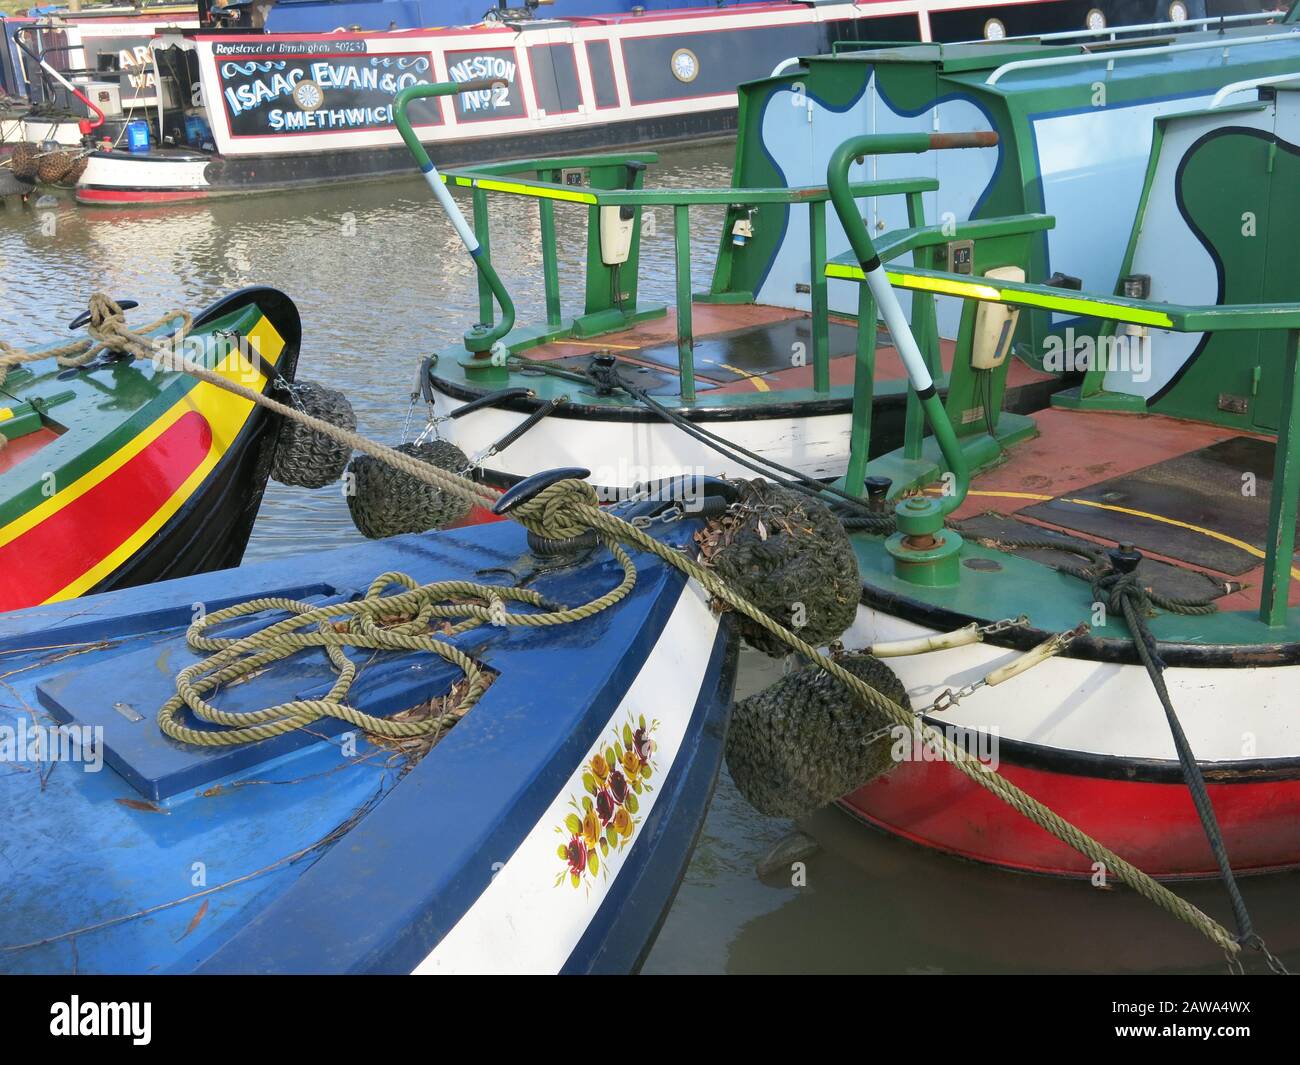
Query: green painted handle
x=422 y=92
x=478 y=339
x=841 y=193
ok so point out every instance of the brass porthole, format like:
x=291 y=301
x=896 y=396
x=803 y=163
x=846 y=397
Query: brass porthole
x=685 y=65
x=308 y=95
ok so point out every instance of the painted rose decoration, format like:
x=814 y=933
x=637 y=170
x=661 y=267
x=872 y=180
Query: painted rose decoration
x=604 y=819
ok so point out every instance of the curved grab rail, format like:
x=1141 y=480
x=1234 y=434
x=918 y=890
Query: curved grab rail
x=479 y=339
x=1251 y=83
x=86 y=125
x=841 y=192
x=1132 y=53
x=1204 y=25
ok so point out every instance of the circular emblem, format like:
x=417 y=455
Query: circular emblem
x=1095 y=19
x=685 y=64
x=994 y=30
x=1178 y=11
x=308 y=95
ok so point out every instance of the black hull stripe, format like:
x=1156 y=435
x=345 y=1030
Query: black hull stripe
x=1087 y=648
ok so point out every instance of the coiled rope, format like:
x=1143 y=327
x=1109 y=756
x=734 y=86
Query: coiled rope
x=377 y=622
x=568 y=508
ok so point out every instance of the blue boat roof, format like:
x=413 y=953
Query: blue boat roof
x=314 y=16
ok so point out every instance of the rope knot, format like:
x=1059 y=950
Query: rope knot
x=559 y=511
x=103 y=310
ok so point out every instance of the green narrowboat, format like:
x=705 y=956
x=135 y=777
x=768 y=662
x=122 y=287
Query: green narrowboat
x=760 y=362
x=121 y=471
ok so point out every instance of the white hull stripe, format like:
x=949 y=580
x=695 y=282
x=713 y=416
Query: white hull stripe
x=524 y=922
x=623 y=453
x=1100 y=708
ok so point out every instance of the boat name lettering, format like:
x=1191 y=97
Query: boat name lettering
x=498 y=67
x=324 y=94
x=339 y=118
x=262 y=48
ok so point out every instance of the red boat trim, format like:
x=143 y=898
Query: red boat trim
x=98 y=194
x=1115 y=767
x=53 y=554
x=1154 y=826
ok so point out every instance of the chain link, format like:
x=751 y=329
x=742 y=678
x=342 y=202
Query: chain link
x=1002 y=626
x=674 y=512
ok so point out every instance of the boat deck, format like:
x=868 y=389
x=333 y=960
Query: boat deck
x=746 y=348
x=1180 y=491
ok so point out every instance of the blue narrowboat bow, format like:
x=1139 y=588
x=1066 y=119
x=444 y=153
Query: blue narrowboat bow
x=546 y=832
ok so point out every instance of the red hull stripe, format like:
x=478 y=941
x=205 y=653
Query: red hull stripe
x=85 y=531
x=1154 y=826
x=93 y=195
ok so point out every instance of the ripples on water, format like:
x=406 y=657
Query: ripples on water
x=381 y=280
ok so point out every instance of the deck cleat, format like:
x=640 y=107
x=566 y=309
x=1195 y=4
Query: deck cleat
x=878 y=493
x=1125 y=558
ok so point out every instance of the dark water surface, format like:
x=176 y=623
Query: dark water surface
x=381 y=280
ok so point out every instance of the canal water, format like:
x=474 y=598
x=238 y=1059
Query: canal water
x=381 y=280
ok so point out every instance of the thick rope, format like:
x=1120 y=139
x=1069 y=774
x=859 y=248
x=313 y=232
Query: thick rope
x=568 y=507
x=376 y=622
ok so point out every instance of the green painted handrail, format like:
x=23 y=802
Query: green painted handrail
x=494 y=179
x=1120 y=309
x=483 y=337
x=845 y=202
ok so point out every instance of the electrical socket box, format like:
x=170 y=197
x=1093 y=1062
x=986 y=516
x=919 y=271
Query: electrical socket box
x=616 y=235
x=961 y=256
x=995 y=323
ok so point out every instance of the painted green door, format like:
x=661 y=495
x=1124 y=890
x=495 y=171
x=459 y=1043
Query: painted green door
x=1223 y=193
x=1281 y=275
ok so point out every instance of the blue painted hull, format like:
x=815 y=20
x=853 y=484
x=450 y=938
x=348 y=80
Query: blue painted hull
x=301 y=855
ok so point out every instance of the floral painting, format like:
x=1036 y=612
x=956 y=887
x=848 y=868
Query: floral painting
x=603 y=819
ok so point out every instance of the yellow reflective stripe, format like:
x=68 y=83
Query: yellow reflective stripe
x=754 y=379
x=974 y=290
x=538 y=192
x=1095 y=308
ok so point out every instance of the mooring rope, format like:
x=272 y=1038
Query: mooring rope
x=108 y=332
x=568 y=508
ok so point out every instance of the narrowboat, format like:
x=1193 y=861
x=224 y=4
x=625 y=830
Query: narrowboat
x=68 y=76
x=762 y=360
x=121 y=471
x=504 y=797
x=282 y=107
x=1140 y=529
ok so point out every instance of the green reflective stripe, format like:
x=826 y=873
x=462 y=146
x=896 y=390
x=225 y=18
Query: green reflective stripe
x=523 y=189
x=1094 y=308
